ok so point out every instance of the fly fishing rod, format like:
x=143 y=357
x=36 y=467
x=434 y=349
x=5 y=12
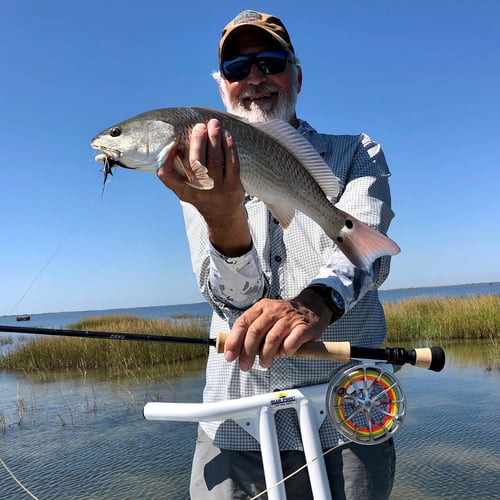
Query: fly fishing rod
x=431 y=358
x=92 y=334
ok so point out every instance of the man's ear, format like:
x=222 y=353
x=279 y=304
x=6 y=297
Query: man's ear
x=222 y=91
x=299 y=79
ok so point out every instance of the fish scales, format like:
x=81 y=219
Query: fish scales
x=269 y=171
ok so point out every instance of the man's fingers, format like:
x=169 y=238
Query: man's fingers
x=234 y=341
x=298 y=336
x=270 y=348
x=258 y=331
x=246 y=337
x=271 y=328
x=198 y=144
x=168 y=174
x=214 y=139
x=232 y=162
x=215 y=152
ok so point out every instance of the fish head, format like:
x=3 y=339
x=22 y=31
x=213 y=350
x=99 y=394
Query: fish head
x=139 y=144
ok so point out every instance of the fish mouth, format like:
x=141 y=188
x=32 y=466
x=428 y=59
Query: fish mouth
x=107 y=154
x=110 y=158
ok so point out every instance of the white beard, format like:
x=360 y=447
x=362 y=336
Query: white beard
x=258 y=112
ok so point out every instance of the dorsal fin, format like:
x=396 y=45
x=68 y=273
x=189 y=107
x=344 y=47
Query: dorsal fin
x=288 y=136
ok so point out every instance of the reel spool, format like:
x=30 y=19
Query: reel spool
x=366 y=403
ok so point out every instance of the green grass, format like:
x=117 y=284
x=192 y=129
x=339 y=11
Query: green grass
x=443 y=318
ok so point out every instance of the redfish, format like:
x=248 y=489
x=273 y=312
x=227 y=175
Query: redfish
x=277 y=166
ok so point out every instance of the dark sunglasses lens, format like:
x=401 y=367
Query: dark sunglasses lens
x=269 y=63
x=237 y=69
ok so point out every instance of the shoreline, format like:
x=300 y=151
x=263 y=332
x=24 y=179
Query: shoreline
x=111 y=309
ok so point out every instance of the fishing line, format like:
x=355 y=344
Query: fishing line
x=17 y=480
x=298 y=470
x=51 y=257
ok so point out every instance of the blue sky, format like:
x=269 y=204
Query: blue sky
x=421 y=77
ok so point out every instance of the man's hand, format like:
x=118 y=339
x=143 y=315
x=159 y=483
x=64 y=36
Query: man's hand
x=273 y=328
x=221 y=207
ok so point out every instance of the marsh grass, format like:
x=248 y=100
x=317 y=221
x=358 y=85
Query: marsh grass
x=444 y=318
x=117 y=357
x=420 y=319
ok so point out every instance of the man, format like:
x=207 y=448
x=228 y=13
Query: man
x=275 y=288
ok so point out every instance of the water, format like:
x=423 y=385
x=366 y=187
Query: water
x=448 y=447
x=85 y=438
x=63 y=319
x=440 y=291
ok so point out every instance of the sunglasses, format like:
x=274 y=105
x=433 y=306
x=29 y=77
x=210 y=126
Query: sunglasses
x=270 y=62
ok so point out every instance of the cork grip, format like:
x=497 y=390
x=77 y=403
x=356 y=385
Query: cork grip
x=431 y=358
x=423 y=357
x=332 y=351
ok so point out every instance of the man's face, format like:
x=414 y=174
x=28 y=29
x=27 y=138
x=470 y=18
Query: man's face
x=260 y=97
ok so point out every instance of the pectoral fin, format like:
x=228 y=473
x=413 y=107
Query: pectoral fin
x=196 y=174
x=282 y=213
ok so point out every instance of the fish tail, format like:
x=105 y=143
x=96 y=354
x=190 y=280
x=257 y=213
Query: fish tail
x=362 y=245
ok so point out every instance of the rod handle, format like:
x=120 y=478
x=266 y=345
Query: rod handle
x=429 y=358
x=332 y=351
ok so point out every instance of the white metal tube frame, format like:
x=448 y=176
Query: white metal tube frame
x=255 y=414
x=365 y=402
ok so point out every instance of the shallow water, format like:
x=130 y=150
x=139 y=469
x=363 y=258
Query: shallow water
x=448 y=447
x=85 y=437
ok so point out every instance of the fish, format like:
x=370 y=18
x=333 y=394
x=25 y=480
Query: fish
x=277 y=165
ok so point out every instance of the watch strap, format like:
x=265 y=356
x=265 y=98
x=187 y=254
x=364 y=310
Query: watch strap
x=332 y=299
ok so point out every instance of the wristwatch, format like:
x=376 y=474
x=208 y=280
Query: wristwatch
x=332 y=299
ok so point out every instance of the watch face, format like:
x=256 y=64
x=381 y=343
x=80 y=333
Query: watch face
x=338 y=300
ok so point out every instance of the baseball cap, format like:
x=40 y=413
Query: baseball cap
x=256 y=20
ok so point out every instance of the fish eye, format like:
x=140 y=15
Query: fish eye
x=115 y=132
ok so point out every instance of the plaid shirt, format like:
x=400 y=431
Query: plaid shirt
x=281 y=264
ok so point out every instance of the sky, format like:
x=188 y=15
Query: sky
x=421 y=77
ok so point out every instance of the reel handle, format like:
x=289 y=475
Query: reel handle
x=431 y=358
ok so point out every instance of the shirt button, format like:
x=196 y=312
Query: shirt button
x=277 y=258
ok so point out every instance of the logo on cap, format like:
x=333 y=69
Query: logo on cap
x=247 y=16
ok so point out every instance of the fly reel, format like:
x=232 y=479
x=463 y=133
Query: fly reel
x=366 y=403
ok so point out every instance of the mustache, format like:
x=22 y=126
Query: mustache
x=262 y=88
